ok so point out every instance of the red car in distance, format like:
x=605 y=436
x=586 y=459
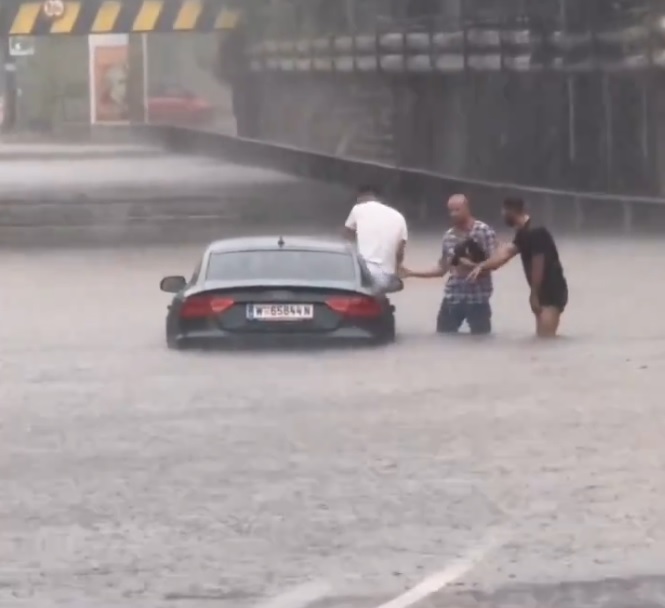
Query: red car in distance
x=175 y=105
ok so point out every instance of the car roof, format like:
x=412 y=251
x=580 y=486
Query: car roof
x=269 y=243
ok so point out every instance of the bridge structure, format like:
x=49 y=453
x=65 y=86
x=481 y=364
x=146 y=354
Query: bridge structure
x=556 y=100
x=549 y=93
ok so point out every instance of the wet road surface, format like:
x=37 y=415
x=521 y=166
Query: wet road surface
x=140 y=169
x=135 y=476
x=104 y=195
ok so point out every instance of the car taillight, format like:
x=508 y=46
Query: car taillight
x=355 y=306
x=196 y=307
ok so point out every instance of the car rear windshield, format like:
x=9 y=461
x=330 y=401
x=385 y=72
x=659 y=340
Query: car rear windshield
x=290 y=265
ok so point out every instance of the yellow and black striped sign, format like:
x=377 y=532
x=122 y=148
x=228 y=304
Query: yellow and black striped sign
x=72 y=17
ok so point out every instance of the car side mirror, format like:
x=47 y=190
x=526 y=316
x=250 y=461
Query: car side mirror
x=172 y=284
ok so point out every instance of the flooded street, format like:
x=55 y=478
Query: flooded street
x=136 y=476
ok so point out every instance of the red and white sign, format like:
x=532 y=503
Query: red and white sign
x=53 y=9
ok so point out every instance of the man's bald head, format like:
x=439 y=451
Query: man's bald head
x=458 y=199
x=459 y=210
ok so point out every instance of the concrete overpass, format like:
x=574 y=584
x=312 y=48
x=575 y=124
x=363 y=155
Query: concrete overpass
x=136 y=476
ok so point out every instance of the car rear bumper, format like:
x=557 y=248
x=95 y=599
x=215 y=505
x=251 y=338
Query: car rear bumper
x=345 y=336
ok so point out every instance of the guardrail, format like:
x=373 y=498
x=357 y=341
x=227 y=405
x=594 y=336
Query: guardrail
x=420 y=193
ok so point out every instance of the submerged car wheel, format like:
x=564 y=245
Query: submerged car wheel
x=171 y=340
x=389 y=333
x=173 y=343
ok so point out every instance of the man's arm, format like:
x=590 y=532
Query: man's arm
x=401 y=248
x=500 y=257
x=350 y=226
x=466 y=263
x=540 y=241
x=537 y=272
x=435 y=273
x=440 y=270
x=349 y=234
x=399 y=257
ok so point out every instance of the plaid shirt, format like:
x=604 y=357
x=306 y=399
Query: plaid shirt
x=458 y=289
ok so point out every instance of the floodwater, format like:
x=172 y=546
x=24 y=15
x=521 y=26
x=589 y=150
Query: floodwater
x=518 y=473
x=136 y=476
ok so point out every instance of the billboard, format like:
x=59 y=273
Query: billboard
x=108 y=73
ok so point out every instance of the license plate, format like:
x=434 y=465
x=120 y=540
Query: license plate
x=280 y=312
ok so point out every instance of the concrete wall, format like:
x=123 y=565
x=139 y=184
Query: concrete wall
x=354 y=118
x=593 y=132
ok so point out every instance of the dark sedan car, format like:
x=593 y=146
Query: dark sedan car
x=277 y=289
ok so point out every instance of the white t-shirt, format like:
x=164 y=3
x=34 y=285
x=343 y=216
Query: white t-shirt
x=379 y=231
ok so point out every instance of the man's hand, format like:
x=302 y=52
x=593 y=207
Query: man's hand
x=475 y=272
x=534 y=302
x=403 y=272
x=466 y=263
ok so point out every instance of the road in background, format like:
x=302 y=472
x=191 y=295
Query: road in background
x=106 y=194
x=136 y=476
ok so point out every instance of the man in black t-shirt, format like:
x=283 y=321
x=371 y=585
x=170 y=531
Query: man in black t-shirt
x=542 y=267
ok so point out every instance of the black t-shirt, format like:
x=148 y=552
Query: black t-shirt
x=533 y=240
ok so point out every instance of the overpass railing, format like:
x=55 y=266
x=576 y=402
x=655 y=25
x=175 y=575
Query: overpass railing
x=420 y=193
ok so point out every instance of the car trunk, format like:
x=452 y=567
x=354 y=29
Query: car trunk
x=284 y=309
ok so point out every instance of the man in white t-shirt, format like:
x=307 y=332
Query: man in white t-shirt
x=380 y=233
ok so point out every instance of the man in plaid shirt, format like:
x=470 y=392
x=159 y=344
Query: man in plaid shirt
x=465 y=245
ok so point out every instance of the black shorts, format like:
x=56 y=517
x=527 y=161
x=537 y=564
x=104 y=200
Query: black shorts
x=554 y=295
